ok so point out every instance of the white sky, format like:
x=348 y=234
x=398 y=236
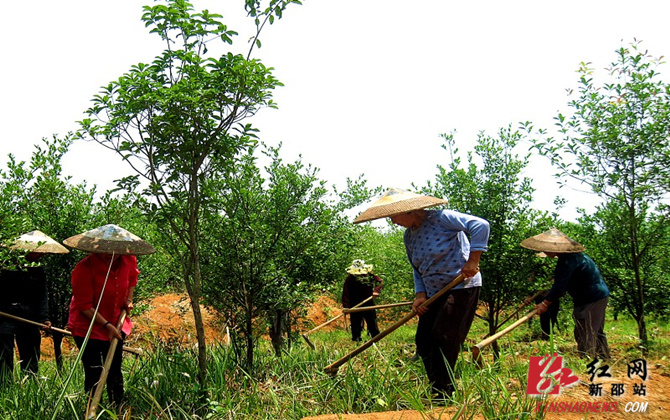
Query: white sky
x=369 y=84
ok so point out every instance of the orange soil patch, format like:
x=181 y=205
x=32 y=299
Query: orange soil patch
x=320 y=311
x=657 y=396
x=167 y=322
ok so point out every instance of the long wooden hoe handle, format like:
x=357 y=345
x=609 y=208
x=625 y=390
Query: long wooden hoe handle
x=336 y=318
x=136 y=351
x=523 y=305
x=39 y=324
x=333 y=367
x=304 y=335
x=476 y=349
x=370 y=308
x=100 y=386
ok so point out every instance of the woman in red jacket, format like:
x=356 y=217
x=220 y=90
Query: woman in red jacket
x=105 y=280
x=89 y=278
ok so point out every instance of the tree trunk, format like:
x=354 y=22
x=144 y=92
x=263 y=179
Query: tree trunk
x=199 y=326
x=192 y=277
x=492 y=321
x=249 y=335
x=277 y=330
x=641 y=323
x=195 y=287
x=634 y=229
x=642 y=331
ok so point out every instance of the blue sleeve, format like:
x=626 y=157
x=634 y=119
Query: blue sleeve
x=419 y=286
x=477 y=228
x=562 y=275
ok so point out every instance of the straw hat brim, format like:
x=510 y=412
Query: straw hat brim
x=554 y=241
x=45 y=248
x=359 y=271
x=38 y=242
x=110 y=239
x=399 y=207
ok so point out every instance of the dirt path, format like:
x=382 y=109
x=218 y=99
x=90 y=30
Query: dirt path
x=658 y=392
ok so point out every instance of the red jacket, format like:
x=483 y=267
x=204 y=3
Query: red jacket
x=88 y=278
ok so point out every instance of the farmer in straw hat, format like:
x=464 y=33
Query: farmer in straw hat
x=359 y=285
x=109 y=270
x=24 y=295
x=438 y=249
x=578 y=275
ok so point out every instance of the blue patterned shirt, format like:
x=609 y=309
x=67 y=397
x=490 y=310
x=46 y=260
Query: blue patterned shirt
x=439 y=248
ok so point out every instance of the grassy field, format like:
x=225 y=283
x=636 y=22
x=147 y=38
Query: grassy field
x=162 y=385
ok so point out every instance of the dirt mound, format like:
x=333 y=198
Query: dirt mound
x=321 y=310
x=169 y=321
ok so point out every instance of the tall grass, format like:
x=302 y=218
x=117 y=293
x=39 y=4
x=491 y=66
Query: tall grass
x=162 y=384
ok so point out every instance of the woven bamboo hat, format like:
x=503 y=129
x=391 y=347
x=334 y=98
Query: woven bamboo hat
x=396 y=201
x=110 y=239
x=36 y=241
x=552 y=240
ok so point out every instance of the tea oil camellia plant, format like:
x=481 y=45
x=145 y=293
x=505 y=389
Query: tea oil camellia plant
x=616 y=140
x=274 y=238
x=179 y=122
x=39 y=197
x=496 y=191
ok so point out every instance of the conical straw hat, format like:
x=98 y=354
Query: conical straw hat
x=397 y=201
x=110 y=239
x=552 y=240
x=36 y=241
x=359 y=267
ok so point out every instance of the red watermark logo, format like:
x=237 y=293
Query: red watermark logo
x=546 y=375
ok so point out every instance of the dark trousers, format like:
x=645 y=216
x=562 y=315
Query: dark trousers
x=589 y=329
x=28 y=340
x=441 y=333
x=93 y=360
x=357 y=319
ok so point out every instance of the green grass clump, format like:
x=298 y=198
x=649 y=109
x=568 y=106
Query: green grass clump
x=163 y=384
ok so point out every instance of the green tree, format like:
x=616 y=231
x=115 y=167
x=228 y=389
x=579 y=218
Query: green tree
x=606 y=238
x=385 y=250
x=12 y=223
x=159 y=272
x=274 y=239
x=617 y=141
x=179 y=123
x=496 y=191
x=42 y=199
